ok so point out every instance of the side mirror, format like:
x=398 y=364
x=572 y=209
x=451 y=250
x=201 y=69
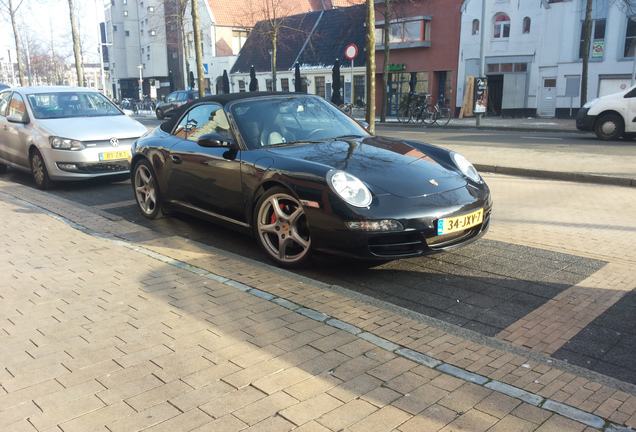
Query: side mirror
x=17 y=118
x=215 y=140
x=363 y=124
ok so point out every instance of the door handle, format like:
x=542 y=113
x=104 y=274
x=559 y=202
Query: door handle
x=176 y=159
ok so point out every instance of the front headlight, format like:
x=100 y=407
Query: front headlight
x=590 y=103
x=466 y=167
x=65 y=143
x=350 y=188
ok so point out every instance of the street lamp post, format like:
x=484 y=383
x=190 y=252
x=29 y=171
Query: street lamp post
x=271 y=64
x=141 y=80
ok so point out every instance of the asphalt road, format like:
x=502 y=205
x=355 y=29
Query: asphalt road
x=485 y=287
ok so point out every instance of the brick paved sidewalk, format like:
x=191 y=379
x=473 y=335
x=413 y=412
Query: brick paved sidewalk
x=167 y=334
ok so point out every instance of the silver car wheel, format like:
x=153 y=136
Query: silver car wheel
x=146 y=191
x=38 y=169
x=282 y=229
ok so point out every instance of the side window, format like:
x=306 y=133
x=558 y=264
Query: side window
x=171 y=98
x=201 y=120
x=16 y=106
x=4 y=102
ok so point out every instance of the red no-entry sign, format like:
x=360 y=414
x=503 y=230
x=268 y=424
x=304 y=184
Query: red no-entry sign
x=351 y=51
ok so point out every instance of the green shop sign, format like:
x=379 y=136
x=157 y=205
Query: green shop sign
x=396 y=67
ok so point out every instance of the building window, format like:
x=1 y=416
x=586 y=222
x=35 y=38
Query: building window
x=526 y=25
x=142 y=32
x=125 y=2
x=127 y=33
x=241 y=86
x=148 y=49
x=125 y=13
x=152 y=33
x=142 y=50
x=502 y=27
x=148 y=56
x=175 y=55
x=597 y=44
x=114 y=28
x=475 y=26
x=268 y=84
x=405 y=32
x=358 y=90
x=151 y=8
x=320 y=86
x=238 y=40
x=630 y=37
x=284 y=84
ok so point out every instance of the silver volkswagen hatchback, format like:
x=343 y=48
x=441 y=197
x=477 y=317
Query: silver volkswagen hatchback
x=64 y=133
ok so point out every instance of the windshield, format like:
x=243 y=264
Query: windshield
x=293 y=119
x=71 y=104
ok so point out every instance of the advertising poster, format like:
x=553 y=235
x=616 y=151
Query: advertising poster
x=480 y=96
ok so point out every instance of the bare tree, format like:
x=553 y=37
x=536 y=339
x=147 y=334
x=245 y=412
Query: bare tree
x=385 y=66
x=76 y=45
x=370 y=115
x=197 y=47
x=7 y=6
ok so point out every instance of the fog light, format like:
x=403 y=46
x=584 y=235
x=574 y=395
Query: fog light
x=378 y=225
x=67 y=167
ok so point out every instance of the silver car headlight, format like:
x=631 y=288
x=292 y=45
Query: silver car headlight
x=66 y=143
x=350 y=188
x=466 y=167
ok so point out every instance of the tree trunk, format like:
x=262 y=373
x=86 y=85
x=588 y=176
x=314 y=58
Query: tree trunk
x=370 y=115
x=587 y=39
x=76 y=46
x=186 y=54
x=16 y=35
x=385 y=69
x=197 y=47
x=274 y=41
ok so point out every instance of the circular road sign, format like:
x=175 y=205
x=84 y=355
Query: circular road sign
x=351 y=52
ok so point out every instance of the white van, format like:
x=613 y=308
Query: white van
x=610 y=117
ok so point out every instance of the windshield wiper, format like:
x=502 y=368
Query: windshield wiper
x=347 y=136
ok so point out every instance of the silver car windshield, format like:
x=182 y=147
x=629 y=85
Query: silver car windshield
x=71 y=104
x=291 y=120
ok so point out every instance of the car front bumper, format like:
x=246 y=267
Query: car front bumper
x=419 y=217
x=585 y=122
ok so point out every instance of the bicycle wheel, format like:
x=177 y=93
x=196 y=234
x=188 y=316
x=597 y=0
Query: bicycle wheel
x=428 y=114
x=443 y=116
x=404 y=113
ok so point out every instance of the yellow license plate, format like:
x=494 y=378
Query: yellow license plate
x=459 y=223
x=114 y=155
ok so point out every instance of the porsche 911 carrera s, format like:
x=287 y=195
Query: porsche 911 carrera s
x=302 y=176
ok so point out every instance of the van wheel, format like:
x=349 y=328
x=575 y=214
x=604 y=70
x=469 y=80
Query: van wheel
x=609 y=127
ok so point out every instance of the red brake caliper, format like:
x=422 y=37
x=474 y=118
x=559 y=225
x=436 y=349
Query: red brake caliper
x=274 y=214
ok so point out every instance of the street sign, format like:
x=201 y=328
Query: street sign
x=351 y=51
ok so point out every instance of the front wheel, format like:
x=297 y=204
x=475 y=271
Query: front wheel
x=609 y=127
x=146 y=190
x=40 y=173
x=280 y=227
x=404 y=113
x=443 y=116
x=428 y=114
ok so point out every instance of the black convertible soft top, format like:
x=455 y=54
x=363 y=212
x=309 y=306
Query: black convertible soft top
x=222 y=99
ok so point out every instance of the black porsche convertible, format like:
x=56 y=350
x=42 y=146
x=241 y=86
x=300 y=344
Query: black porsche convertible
x=302 y=176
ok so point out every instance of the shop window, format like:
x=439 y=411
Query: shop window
x=502 y=27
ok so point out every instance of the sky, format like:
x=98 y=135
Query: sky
x=43 y=17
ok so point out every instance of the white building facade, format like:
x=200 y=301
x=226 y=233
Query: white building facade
x=533 y=58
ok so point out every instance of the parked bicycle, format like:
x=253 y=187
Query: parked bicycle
x=435 y=113
x=411 y=108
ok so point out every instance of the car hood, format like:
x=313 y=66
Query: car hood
x=388 y=164
x=93 y=128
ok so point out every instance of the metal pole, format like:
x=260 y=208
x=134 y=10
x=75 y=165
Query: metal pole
x=351 y=92
x=101 y=50
x=141 y=80
x=482 y=51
